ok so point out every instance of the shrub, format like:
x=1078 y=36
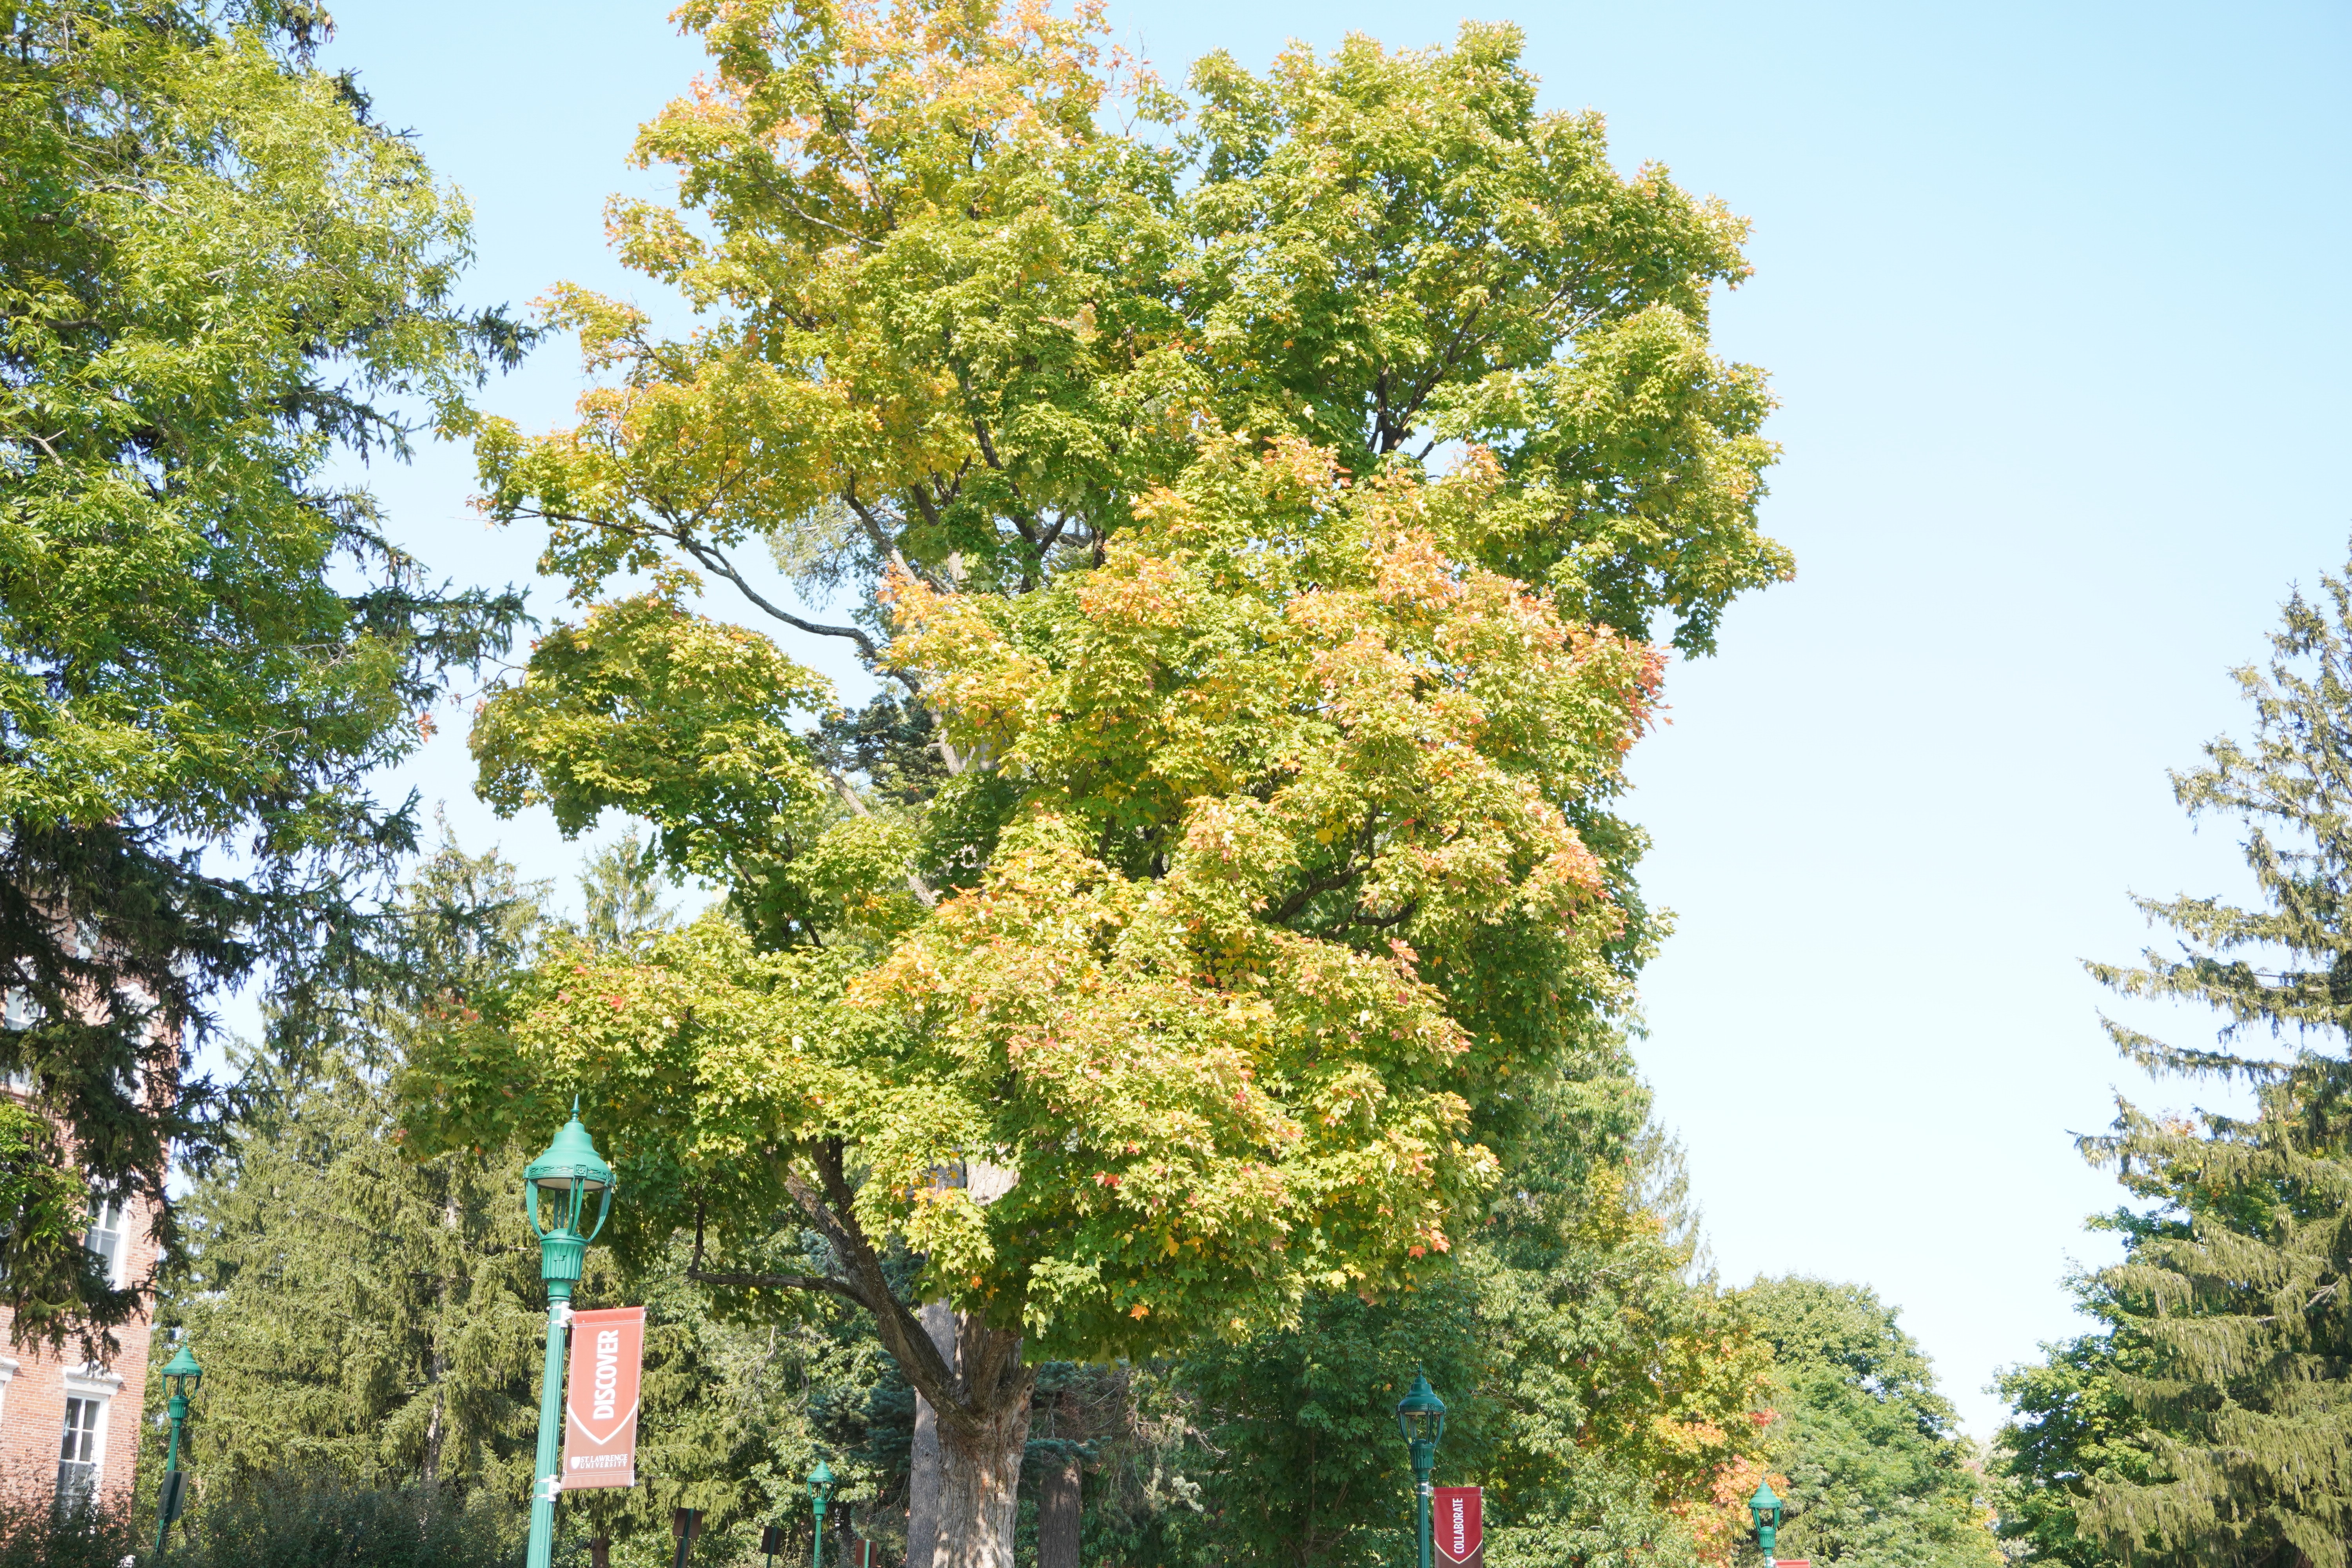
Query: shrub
x=34 y=1535
x=316 y=1521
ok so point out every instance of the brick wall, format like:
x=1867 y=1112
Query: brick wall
x=38 y=1382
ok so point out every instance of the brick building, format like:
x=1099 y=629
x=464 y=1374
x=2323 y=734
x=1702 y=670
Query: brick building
x=67 y=1425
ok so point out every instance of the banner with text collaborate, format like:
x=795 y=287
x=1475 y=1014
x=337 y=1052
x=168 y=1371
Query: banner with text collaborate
x=600 y=1405
x=1460 y=1530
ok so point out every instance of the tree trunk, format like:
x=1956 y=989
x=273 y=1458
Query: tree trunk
x=436 y=1366
x=923 y=1462
x=980 y=1482
x=1058 y=1516
x=977 y=1434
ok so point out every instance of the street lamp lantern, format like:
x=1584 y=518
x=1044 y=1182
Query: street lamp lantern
x=1421 y=1416
x=1764 y=1508
x=557 y=1188
x=819 y=1494
x=182 y=1376
x=563 y=1180
x=182 y=1373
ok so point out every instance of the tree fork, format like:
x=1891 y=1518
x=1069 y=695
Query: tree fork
x=975 y=1384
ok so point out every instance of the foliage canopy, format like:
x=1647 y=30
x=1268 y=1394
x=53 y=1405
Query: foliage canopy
x=1876 y=1474
x=1606 y=1401
x=216 y=274
x=1268 y=509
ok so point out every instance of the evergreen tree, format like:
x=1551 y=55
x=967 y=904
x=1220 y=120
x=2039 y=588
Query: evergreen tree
x=379 y=1318
x=2231 y=1314
x=1876 y=1476
x=355 y=1309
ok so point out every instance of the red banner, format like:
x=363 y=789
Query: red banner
x=600 y=1398
x=1460 y=1529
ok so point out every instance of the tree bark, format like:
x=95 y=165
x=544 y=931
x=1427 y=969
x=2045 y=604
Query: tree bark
x=977 y=1435
x=980 y=1479
x=923 y=1462
x=1058 y=1516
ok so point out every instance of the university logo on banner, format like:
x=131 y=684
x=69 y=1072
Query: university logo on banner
x=600 y=1404
x=1460 y=1530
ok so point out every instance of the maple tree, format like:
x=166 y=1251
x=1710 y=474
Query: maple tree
x=1865 y=1451
x=1265 y=510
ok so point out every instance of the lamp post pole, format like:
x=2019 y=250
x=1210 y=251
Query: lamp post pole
x=546 y=1482
x=819 y=1494
x=181 y=1374
x=1420 y=1414
x=565 y=1177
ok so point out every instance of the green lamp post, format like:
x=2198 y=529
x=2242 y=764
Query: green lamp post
x=1422 y=1417
x=819 y=1494
x=564 y=1178
x=182 y=1376
x=1764 y=1508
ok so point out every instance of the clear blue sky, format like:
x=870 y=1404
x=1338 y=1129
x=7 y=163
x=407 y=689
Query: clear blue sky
x=2052 y=298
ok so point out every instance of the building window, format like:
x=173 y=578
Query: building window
x=105 y=1237
x=81 y=1454
x=17 y=1013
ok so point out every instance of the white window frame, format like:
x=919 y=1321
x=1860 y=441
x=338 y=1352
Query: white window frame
x=120 y=1231
x=17 y=1012
x=95 y=1388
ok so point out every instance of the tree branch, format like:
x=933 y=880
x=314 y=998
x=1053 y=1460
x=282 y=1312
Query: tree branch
x=900 y=1332
x=884 y=545
x=817 y=1282
x=1379 y=921
x=709 y=556
x=1331 y=881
